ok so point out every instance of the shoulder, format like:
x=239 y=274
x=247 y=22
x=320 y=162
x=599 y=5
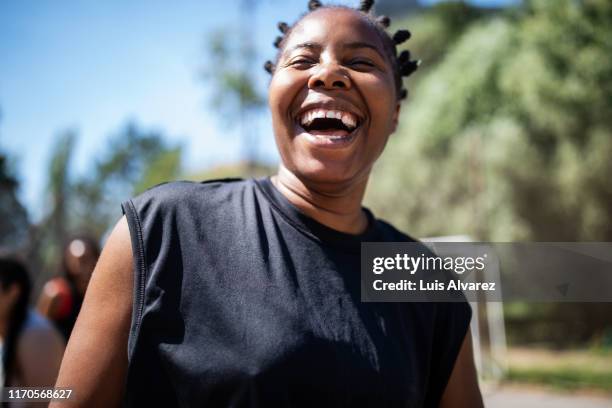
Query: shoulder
x=39 y=352
x=179 y=191
x=390 y=233
x=36 y=322
x=38 y=332
x=455 y=315
x=168 y=198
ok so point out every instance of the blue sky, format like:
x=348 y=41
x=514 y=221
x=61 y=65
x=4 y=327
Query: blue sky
x=93 y=65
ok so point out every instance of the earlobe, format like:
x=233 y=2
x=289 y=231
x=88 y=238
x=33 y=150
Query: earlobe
x=396 y=117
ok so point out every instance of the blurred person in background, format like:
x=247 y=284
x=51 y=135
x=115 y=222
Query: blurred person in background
x=30 y=346
x=61 y=297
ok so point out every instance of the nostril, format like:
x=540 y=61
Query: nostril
x=339 y=84
x=319 y=82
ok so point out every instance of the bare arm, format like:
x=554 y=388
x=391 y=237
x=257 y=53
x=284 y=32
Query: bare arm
x=95 y=362
x=46 y=304
x=462 y=390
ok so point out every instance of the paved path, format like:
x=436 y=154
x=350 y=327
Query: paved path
x=528 y=398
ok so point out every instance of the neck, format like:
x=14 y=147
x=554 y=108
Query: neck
x=337 y=207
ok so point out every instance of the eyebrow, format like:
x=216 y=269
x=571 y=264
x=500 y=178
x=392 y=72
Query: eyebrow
x=316 y=46
x=356 y=45
x=307 y=45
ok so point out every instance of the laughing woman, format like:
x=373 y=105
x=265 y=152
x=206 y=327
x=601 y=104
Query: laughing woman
x=245 y=293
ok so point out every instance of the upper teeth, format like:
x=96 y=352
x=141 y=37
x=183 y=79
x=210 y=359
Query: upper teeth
x=348 y=119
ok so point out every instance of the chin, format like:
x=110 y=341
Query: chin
x=325 y=172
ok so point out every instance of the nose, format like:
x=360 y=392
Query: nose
x=329 y=76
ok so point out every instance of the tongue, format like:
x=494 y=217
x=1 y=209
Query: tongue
x=329 y=132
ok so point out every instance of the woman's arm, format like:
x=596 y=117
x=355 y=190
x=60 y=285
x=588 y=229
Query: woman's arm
x=95 y=362
x=462 y=390
x=47 y=304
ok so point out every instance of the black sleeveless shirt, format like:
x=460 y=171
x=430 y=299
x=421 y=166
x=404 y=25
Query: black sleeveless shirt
x=241 y=300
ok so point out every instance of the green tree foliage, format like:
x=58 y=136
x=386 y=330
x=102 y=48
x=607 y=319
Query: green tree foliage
x=436 y=30
x=134 y=161
x=59 y=186
x=51 y=232
x=13 y=216
x=236 y=96
x=233 y=83
x=509 y=137
x=241 y=170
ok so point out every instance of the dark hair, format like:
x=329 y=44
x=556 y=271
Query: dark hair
x=12 y=272
x=401 y=63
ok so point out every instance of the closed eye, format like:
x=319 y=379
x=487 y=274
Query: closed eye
x=361 y=63
x=301 y=63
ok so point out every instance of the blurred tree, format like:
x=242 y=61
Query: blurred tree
x=59 y=187
x=236 y=96
x=235 y=87
x=241 y=169
x=48 y=235
x=437 y=28
x=134 y=161
x=509 y=136
x=13 y=216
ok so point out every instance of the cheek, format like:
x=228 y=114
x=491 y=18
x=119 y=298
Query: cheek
x=379 y=92
x=284 y=87
x=283 y=93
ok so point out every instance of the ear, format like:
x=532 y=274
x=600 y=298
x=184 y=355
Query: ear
x=396 y=116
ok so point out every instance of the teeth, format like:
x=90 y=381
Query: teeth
x=348 y=119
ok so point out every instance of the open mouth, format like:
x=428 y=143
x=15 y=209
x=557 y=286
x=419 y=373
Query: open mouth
x=325 y=126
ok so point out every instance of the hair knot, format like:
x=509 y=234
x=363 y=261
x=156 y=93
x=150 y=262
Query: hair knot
x=409 y=67
x=403 y=57
x=278 y=41
x=384 y=21
x=283 y=27
x=314 y=4
x=400 y=36
x=269 y=67
x=366 y=5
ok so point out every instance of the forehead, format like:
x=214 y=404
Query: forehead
x=334 y=25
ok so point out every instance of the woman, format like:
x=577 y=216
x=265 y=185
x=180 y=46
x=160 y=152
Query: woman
x=62 y=296
x=246 y=293
x=30 y=347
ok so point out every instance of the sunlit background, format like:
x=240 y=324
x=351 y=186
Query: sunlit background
x=506 y=136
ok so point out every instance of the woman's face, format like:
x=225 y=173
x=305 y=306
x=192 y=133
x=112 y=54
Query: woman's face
x=333 y=98
x=80 y=262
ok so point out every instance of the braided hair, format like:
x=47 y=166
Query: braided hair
x=401 y=63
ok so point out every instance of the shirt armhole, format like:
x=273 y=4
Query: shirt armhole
x=140 y=272
x=453 y=323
